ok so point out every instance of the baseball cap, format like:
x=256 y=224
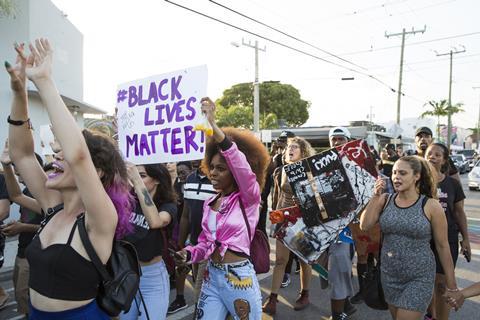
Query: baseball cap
x=285 y=135
x=339 y=131
x=423 y=130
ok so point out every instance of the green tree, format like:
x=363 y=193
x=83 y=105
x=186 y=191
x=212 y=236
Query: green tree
x=277 y=101
x=438 y=109
x=7 y=8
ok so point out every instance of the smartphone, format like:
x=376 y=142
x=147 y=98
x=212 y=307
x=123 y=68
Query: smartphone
x=174 y=253
x=466 y=255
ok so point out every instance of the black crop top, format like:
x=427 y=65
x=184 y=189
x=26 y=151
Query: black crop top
x=148 y=242
x=60 y=272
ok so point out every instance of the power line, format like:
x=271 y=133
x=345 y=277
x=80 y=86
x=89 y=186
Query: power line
x=282 y=44
x=410 y=44
x=291 y=48
x=285 y=34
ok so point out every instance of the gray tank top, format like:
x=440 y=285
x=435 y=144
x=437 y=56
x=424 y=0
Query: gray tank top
x=406 y=236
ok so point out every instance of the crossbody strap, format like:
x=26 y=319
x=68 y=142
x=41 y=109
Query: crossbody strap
x=245 y=218
x=91 y=250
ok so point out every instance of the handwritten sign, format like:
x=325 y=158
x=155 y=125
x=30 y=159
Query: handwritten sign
x=338 y=182
x=157 y=115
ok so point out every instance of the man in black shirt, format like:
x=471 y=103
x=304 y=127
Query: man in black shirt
x=197 y=189
x=423 y=138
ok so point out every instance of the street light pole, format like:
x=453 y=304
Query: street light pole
x=256 y=87
x=449 y=116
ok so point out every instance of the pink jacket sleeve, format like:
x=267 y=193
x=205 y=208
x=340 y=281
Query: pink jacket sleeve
x=242 y=172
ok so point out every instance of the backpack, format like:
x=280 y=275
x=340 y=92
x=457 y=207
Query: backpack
x=259 y=247
x=120 y=276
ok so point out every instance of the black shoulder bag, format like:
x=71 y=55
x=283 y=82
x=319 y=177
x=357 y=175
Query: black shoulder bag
x=120 y=276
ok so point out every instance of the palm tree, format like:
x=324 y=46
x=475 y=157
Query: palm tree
x=438 y=109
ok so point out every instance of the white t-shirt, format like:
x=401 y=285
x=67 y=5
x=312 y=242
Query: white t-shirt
x=212 y=223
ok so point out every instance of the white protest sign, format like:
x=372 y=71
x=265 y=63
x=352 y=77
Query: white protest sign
x=157 y=115
x=46 y=138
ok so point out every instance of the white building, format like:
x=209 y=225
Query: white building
x=34 y=19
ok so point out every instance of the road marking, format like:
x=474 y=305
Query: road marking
x=17 y=317
x=473 y=219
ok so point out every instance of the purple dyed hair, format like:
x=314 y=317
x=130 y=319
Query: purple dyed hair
x=106 y=156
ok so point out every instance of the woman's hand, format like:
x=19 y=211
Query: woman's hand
x=18 y=78
x=5 y=157
x=466 y=249
x=39 y=64
x=132 y=172
x=208 y=108
x=181 y=257
x=455 y=299
x=379 y=186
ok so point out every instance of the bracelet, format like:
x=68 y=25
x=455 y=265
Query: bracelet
x=453 y=290
x=20 y=122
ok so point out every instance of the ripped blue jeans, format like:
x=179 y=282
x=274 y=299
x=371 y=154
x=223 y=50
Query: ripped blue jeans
x=230 y=288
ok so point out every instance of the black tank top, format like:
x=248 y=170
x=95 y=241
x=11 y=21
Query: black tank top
x=60 y=272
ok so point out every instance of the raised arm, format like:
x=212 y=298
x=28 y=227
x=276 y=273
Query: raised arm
x=154 y=218
x=236 y=160
x=370 y=215
x=20 y=135
x=439 y=228
x=13 y=188
x=101 y=215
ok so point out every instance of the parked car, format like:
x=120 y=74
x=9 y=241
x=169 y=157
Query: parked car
x=474 y=177
x=470 y=155
x=460 y=162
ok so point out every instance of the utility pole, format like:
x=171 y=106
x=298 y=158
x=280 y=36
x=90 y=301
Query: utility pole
x=399 y=91
x=370 y=134
x=478 y=122
x=256 y=87
x=449 y=127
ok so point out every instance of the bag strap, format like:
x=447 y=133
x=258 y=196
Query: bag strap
x=245 y=218
x=91 y=250
x=144 y=305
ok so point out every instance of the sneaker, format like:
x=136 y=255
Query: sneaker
x=270 y=306
x=285 y=281
x=302 y=301
x=177 y=305
x=342 y=316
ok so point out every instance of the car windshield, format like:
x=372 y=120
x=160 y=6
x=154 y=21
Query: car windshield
x=467 y=153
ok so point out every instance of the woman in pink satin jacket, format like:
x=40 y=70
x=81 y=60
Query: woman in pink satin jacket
x=236 y=163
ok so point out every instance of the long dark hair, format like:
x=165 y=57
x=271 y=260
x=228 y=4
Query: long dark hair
x=165 y=192
x=426 y=184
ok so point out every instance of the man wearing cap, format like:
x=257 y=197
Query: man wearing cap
x=339 y=254
x=423 y=139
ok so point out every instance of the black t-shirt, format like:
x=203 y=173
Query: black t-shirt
x=148 y=242
x=449 y=192
x=30 y=217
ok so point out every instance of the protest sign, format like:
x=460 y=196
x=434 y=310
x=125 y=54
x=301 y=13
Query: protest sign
x=332 y=188
x=157 y=115
x=46 y=139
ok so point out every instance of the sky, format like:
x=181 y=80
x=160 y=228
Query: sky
x=127 y=40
